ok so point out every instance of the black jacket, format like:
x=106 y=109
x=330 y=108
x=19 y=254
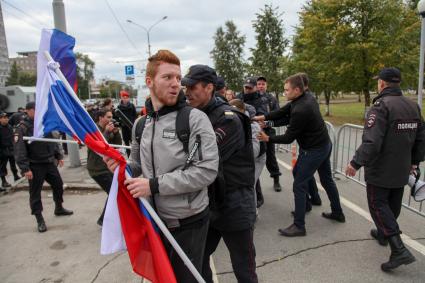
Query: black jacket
x=129 y=111
x=236 y=171
x=34 y=152
x=6 y=141
x=306 y=124
x=260 y=102
x=392 y=141
x=95 y=164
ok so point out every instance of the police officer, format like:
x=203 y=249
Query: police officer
x=220 y=89
x=263 y=105
x=306 y=125
x=180 y=192
x=393 y=144
x=38 y=163
x=6 y=150
x=232 y=203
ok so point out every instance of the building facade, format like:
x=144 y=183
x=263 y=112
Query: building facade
x=26 y=61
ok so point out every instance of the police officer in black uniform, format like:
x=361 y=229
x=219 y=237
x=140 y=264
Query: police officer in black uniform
x=6 y=150
x=220 y=88
x=393 y=144
x=263 y=105
x=232 y=201
x=38 y=163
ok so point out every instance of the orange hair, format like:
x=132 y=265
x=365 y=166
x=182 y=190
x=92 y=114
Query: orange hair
x=162 y=56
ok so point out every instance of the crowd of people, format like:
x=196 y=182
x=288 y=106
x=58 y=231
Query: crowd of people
x=203 y=150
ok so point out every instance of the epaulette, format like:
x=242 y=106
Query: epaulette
x=228 y=114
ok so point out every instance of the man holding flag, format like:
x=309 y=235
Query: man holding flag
x=176 y=180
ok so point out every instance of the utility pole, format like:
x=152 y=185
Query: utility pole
x=148 y=30
x=60 y=24
x=421 y=10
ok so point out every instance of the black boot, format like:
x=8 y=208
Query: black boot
x=41 y=225
x=276 y=184
x=399 y=254
x=4 y=182
x=381 y=240
x=61 y=211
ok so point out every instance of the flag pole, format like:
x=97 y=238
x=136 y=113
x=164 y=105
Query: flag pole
x=172 y=241
x=147 y=205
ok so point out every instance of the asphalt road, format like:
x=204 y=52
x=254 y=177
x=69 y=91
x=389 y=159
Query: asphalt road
x=331 y=252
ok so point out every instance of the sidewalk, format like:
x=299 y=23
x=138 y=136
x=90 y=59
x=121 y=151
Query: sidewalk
x=76 y=178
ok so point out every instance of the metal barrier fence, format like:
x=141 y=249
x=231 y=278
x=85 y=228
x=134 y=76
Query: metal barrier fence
x=348 y=139
x=288 y=147
x=345 y=143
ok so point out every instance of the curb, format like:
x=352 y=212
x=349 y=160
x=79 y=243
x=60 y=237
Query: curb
x=66 y=187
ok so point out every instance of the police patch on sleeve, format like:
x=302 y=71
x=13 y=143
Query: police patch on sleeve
x=371 y=120
x=16 y=138
x=406 y=125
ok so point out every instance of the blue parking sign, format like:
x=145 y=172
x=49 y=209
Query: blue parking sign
x=129 y=70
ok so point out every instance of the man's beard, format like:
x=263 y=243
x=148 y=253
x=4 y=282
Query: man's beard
x=163 y=100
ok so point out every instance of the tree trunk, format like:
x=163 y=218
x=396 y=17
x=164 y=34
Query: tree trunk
x=327 y=101
x=366 y=94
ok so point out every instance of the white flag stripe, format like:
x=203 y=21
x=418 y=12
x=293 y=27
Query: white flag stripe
x=112 y=237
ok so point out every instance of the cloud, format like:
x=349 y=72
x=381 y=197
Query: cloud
x=187 y=31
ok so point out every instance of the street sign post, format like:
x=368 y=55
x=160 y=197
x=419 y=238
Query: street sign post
x=129 y=74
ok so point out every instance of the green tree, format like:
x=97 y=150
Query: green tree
x=27 y=79
x=18 y=77
x=13 y=78
x=227 y=55
x=85 y=73
x=359 y=37
x=270 y=47
x=313 y=49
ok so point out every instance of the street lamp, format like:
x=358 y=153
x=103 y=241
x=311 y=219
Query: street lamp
x=148 y=30
x=421 y=10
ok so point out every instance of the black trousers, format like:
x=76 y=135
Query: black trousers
x=105 y=182
x=192 y=241
x=126 y=137
x=313 y=191
x=242 y=253
x=259 y=193
x=44 y=172
x=385 y=206
x=271 y=162
x=3 y=165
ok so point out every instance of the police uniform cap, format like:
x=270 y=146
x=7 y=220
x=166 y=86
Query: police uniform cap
x=220 y=83
x=199 y=73
x=250 y=82
x=390 y=75
x=3 y=114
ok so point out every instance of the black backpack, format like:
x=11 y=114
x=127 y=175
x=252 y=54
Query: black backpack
x=182 y=127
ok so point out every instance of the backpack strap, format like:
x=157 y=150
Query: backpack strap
x=183 y=127
x=139 y=127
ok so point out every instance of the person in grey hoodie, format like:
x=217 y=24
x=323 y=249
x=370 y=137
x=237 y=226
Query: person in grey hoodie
x=179 y=193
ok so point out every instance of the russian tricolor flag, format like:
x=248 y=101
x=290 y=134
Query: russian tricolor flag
x=127 y=224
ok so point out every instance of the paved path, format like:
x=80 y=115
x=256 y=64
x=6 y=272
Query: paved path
x=331 y=252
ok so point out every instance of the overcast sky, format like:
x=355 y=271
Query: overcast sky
x=187 y=31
